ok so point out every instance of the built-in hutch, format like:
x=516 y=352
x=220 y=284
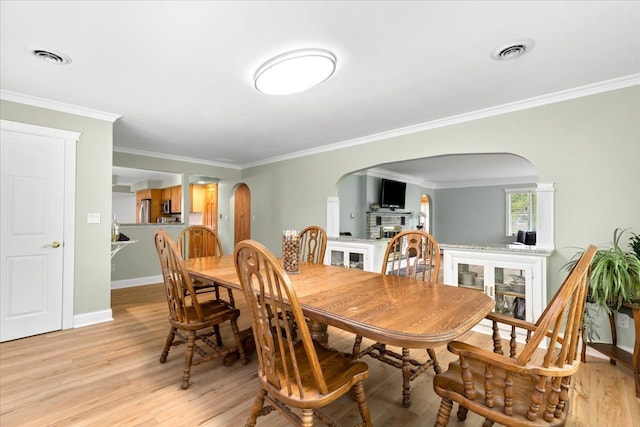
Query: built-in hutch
x=349 y=252
x=514 y=275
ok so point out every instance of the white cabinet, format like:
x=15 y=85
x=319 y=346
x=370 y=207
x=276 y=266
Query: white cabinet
x=356 y=253
x=517 y=281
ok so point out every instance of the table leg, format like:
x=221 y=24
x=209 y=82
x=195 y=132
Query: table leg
x=319 y=332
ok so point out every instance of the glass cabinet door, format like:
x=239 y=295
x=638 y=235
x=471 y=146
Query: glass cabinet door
x=347 y=258
x=509 y=284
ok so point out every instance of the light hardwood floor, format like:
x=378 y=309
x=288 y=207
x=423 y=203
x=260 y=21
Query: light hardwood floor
x=109 y=375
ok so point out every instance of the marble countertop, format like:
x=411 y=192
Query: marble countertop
x=355 y=239
x=497 y=247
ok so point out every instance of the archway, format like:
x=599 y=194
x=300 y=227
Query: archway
x=242 y=213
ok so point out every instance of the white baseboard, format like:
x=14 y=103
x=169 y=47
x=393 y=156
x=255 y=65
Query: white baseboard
x=136 y=281
x=93 y=318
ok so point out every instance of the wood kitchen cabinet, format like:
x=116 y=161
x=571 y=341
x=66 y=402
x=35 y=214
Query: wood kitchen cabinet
x=151 y=194
x=176 y=199
x=166 y=193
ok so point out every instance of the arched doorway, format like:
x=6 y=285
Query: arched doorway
x=242 y=213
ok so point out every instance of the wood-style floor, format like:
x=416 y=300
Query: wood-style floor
x=109 y=375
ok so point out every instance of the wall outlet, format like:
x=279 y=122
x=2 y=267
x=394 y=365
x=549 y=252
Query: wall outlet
x=113 y=267
x=622 y=320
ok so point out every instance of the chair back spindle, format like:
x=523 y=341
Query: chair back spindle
x=198 y=241
x=414 y=254
x=313 y=244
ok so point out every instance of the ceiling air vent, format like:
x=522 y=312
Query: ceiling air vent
x=50 y=56
x=512 y=50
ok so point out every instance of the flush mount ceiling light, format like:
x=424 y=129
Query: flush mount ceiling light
x=295 y=71
x=49 y=55
x=512 y=50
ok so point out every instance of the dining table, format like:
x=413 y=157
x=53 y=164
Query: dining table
x=393 y=310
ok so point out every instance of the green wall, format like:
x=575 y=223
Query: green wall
x=92 y=289
x=588 y=147
x=472 y=214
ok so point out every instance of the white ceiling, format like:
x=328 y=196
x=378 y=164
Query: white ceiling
x=180 y=73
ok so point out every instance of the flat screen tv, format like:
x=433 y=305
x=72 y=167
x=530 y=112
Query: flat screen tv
x=392 y=194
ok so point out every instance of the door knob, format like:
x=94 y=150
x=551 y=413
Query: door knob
x=54 y=244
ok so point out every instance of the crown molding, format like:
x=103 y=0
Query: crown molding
x=49 y=104
x=172 y=157
x=551 y=98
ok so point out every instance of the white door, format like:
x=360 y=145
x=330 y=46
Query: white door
x=32 y=196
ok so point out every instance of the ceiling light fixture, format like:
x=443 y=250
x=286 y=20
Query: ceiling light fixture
x=295 y=71
x=512 y=50
x=49 y=55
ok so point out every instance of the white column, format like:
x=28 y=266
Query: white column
x=545 y=231
x=333 y=217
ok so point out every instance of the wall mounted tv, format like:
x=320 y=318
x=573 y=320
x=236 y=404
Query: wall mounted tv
x=392 y=194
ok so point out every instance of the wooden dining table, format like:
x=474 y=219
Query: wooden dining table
x=394 y=310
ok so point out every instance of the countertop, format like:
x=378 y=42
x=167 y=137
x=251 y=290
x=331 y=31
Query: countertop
x=497 y=247
x=356 y=239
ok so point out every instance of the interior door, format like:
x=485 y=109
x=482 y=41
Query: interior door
x=32 y=224
x=242 y=213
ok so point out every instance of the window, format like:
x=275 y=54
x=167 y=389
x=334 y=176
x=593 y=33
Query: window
x=521 y=210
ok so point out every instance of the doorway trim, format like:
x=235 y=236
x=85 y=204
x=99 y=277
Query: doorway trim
x=70 y=139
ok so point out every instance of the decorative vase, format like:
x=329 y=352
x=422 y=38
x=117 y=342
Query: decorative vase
x=290 y=251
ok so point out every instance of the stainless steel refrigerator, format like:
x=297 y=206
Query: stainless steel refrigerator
x=144 y=211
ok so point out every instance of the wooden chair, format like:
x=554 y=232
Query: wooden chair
x=313 y=244
x=293 y=374
x=414 y=254
x=521 y=390
x=187 y=314
x=198 y=241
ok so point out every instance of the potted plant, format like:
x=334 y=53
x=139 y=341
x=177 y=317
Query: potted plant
x=634 y=242
x=614 y=278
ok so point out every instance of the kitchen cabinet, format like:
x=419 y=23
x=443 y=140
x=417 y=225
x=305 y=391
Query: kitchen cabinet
x=516 y=280
x=363 y=254
x=176 y=199
x=166 y=193
x=151 y=194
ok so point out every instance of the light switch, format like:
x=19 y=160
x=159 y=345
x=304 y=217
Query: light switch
x=93 y=218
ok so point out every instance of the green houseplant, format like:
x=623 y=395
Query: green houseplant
x=614 y=278
x=615 y=274
x=634 y=242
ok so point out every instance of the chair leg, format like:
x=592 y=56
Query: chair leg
x=436 y=365
x=406 y=378
x=307 y=418
x=216 y=332
x=236 y=334
x=442 y=419
x=357 y=391
x=167 y=344
x=188 y=358
x=356 y=347
x=462 y=413
x=256 y=409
